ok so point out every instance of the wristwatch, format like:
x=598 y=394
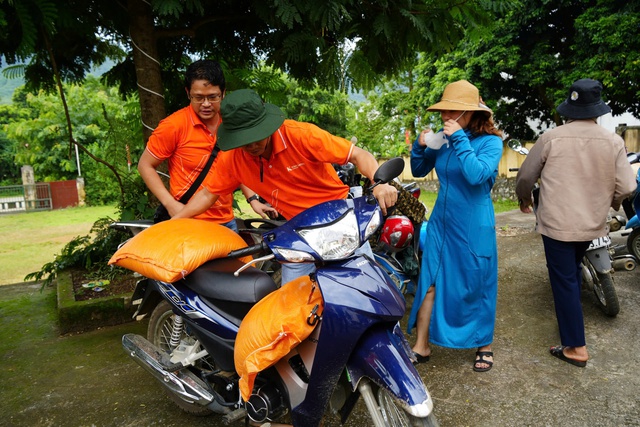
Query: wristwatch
x=252 y=198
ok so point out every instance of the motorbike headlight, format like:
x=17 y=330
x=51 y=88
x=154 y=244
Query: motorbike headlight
x=334 y=241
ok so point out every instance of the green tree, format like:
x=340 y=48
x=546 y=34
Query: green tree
x=307 y=39
x=9 y=170
x=537 y=51
x=102 y=124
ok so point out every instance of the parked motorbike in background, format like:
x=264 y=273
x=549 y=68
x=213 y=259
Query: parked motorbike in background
x=356 y=349
x=396 y=246
x=633 y=236
x=597 y=264
x=397 y=249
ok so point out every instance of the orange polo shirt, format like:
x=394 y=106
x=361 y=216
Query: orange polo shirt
x=186 y=143
x=298 y=175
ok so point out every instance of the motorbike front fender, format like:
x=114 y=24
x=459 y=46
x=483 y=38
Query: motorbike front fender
x=633 y=222
x=382 y=355
x=600 y=259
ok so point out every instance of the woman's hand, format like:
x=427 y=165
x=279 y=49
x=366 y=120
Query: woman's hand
x=451 y=126
x=422 y=140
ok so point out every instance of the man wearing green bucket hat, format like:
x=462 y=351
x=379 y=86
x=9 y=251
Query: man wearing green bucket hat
x=288 y=163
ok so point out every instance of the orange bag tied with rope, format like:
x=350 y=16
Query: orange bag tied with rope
x=274 y=326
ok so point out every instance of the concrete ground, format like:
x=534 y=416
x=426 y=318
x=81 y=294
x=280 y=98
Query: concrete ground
x=88 y=380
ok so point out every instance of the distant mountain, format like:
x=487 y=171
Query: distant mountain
x=8 y=86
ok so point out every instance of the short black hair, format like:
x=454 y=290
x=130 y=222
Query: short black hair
x=205 y=69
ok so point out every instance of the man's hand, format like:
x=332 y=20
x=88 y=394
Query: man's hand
x=173 y=207
x=525 y=206
x=200 y=202
x=386 y=195
x=265 y=211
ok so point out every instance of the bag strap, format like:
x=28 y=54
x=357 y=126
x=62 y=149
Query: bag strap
x=186 y=196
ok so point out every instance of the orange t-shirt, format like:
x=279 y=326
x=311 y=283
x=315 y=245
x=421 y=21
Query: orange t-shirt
x=186 y=143
x=298 y=175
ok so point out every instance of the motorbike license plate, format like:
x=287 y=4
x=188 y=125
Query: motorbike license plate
x=600 y=242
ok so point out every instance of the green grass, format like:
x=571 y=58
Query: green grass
x=30 y=240
x=429 y=199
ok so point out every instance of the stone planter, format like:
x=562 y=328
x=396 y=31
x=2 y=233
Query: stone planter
x=83 y=316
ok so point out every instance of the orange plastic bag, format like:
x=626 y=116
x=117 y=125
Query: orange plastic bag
x=275 y=325
x=170 y=250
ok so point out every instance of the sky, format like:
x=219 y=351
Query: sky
x=611 y=122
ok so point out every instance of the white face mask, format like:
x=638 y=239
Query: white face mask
x=460 y=116
x=436 y=140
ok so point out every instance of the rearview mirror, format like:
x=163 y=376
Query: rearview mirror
x=389 y=170
x=517 y=146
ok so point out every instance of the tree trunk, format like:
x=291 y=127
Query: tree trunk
x=146 y=60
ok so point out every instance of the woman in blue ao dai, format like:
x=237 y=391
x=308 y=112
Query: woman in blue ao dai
x=455 y=303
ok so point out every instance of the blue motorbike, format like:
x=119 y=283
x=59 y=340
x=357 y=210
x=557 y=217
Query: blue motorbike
x=633 y=238
x=357 y=348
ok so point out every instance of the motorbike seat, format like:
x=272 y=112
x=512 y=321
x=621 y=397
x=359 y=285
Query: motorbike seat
x=215 y=280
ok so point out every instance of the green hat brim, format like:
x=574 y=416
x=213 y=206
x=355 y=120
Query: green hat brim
x=230 y=139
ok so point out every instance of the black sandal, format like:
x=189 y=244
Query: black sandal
x=558 y=351
x=480 y=358
x=420 y=358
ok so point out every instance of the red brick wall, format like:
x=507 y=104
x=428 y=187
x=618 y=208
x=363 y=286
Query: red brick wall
x=63 y=194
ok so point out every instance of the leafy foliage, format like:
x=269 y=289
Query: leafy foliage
x=535 y=52
x=101 y=122
x=85 y=252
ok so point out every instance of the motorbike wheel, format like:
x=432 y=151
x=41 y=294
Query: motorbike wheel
x=603 y=288
x=633 y=243
x=159 y=334
x=395 y=416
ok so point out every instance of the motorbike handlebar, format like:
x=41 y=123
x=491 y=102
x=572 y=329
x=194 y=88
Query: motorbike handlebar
x=255 y=249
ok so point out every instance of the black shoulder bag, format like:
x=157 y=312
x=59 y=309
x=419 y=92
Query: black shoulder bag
x=161 y=213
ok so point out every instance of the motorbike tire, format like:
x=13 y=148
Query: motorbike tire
x=604 y=290
x=159 y=334
x=633 y=243
x=395 y=416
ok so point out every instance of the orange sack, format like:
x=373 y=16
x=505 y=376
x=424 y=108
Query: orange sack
x=275 y=325
x=170 y=250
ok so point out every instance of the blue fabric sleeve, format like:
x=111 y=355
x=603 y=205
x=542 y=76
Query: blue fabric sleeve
x=480 y=166
x=423 y=160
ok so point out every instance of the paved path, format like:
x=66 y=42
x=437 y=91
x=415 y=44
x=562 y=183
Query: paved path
x=87 y=380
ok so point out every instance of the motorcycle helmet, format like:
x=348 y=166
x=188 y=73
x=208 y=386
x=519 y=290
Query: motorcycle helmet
x=397 y=232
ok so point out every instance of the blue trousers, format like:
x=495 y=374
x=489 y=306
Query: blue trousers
x=565 y=275
x=232 y=225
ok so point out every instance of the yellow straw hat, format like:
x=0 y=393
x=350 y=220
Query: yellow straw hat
x=460 y=96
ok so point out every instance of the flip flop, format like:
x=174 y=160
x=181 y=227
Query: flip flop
x=481 y=359
x=558 y=352
x=420 y=358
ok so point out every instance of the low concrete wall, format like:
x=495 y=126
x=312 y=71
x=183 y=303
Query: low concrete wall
x=503 y=189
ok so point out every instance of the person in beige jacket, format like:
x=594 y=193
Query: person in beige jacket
x=583 y=171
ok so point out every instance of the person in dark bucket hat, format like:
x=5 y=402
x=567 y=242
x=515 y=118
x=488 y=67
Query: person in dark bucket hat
x=574 y=202
x=246 y=119
x=584 y=101
x=286 y=162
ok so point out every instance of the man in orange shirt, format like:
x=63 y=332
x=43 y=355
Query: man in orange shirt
x=288 y=163
x=186 y=139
